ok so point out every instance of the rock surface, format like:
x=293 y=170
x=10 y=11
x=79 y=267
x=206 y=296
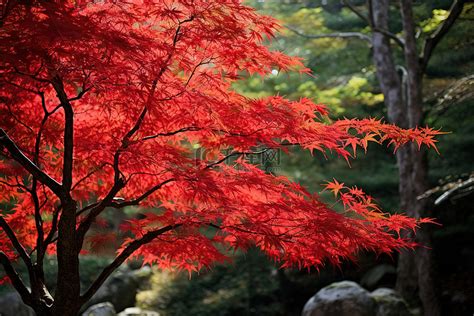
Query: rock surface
x=121 y=288
x=389 y=303
x=348 y=298
x=12 y=305
x=101 y=309
x=136 y=311
x=344 y=298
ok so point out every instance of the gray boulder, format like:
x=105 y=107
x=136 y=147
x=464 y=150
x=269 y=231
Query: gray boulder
x=389 y=303
x=349 y=299
x=101 y=309
x=344 y=298
x=12 y=305
x=121 y=288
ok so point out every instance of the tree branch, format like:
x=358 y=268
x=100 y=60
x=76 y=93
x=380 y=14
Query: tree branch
x=370 y=23
x=119 y=182
x=193 y=72
x=54 y=227
x=15 y=278
x=6 y=7
x=432 y=41
x=95 y=211
x=18 y=156
x=68 y=133
x=332 y=35
x=390 y=35
x=86 y=208
x=20 y=250
x=143 y=196
x=184 y=129
x=15 y=242
x=38 y=223
x=98 y=168
x=124 y=255
x=235 y=154
x=34 y=193
x=17 y=185
x=358 y=13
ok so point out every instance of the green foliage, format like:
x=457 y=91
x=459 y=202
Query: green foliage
x=456 y=148
x=248 y=286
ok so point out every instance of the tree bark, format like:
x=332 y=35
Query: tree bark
x=419 y=167
x=66 y=300
x=402 y=89
x=392 y=86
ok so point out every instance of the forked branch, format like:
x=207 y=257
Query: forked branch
x=119 y=181
x=369 y=20
x=435 y=38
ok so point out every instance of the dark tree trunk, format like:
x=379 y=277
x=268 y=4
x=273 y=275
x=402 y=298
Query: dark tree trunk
x=66 y=300
x=402 y=89
x=48 y=311
x=418 y=160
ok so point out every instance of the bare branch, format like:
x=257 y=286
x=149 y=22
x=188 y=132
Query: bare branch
x=143 y=196
x=68 y=133
x=452 y=190
x=18 y=156
x=95 y=211
x=390 y=35
x=88 y=175
x=370 y=23
x=14 y=117
x=181 y=130
x=18 y=185
x=433 y=40
x=119 y=182
x=124 y=255
x=33 y=191
x=332 y=35
x=38 y=222
x=15 y=278
x=235 y=154
x=457 y=92
x=84 y=88
x=88 y=207
x=193 y=72
x=54 y=227
x=20 y=87
x=460 y=189
x=358 y=13
x=19 y=249
x=6 y=7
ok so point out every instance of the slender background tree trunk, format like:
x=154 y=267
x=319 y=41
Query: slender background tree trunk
x=418 y=160
x=402 y=89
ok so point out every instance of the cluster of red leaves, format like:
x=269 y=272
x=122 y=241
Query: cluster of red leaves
x=167 y=67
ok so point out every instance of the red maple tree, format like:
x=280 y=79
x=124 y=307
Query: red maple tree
x=101 y=107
